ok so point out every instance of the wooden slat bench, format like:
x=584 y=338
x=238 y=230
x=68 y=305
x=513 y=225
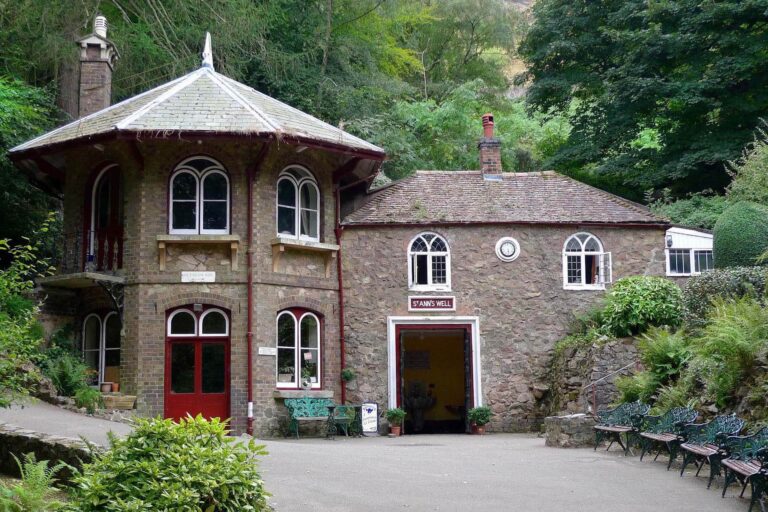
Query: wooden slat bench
x=702 y=443
x=309 y=409
x=624 y=419
x=666 y=430
x=744 y=460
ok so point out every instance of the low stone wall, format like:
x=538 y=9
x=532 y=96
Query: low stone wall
x=577 y=368
x=571 y=431
x=19 y=441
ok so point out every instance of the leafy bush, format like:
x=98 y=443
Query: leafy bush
x=697 y=210
x=89 y=398
x=636 y=303
x=664 y=354
x=192 y=465
x=726 y=352
x=726 y=283
x=640 y=386
x=741 y=235
x=395 y=416
x=750 y=172
x=479 y=415
x=36 y=492
x=68 y=372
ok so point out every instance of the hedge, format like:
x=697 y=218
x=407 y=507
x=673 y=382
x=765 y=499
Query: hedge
x=741 y=235
x=700 y=291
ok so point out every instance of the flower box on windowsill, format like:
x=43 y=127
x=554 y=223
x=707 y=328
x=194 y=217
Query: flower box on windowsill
x=281 y=244
x=233 y=241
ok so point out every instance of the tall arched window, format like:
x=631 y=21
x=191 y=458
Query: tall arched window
x=105 y=237
x=199 y=198
x=585 y=264
x=298 y=349
x=101 y=346
x=429 y=263
x=298 y=205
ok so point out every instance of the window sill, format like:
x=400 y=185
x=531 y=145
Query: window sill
x=300 y=393
x=429 y=289
x=585 y=288
x=165 y=240
x=280 y=245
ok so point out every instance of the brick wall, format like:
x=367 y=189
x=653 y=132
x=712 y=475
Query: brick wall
x=521 y=305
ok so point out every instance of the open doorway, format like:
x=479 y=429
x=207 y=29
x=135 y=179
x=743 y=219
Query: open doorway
x=435 y=379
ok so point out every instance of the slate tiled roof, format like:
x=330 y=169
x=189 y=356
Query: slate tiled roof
x=434 y=197
x=202 y=101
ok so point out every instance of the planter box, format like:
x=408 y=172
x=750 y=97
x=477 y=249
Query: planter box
x=117 y=401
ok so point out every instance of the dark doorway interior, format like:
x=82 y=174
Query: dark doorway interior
x=434 y=369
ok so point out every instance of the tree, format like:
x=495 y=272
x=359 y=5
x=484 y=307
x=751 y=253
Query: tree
x=660 y=93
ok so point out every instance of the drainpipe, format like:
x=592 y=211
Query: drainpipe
x=249 y=257
x=339 y=231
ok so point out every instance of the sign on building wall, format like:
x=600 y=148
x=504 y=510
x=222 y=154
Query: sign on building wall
x=369 y=414
x=267 y=351
x=431 y=303
x=198 y=277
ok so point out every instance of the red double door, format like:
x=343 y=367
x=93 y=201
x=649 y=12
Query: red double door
x=197 y=377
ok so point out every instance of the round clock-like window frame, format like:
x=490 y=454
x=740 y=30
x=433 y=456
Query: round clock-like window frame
x=501 y=242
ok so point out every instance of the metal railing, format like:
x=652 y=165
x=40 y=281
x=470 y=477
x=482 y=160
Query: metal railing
x=99 y=250
x=592 y=409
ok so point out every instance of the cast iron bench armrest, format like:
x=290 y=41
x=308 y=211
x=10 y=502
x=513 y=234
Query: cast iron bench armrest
x=309 y=409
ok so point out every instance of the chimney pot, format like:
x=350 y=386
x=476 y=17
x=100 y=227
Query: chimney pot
x=100 y=26
x=490 y=150
x=488 y=126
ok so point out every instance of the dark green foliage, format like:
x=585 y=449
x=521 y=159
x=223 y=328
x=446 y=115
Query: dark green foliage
x=89 y=398
x=36 y=491
x=67 y=372
x=395 y=416
x=479 y=415
x=695 y=210
x=646 y=103
x=727 y=283
x=636 y=303
x=750 y=172
x=741 y=235
x=191 y=465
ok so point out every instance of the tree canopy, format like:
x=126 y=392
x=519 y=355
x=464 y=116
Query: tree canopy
x=660 y=93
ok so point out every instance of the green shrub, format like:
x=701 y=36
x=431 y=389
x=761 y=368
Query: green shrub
x=480 y=415
x=67 y=372
x=89 y=398
x=697 y=210
x=635 y=303
x=193 y=465
x=741 y=235
x=726 y=283
x=733 y=339
x=640 y=386
x=664 y=354
x=395 y=416
x=679 y=394
x=36 y=491
x=750 y=172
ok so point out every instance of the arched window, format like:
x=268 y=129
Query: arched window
x=214 y=323
x=199 y=199
x=429 y=263
x=585 y=264
x=298 y=205
x=298 y=349
x=101 y=346
x=182 y=323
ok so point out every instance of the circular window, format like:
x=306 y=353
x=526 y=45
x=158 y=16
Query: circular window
x=507 y=249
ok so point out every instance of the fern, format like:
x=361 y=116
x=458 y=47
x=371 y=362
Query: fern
x=35 y=492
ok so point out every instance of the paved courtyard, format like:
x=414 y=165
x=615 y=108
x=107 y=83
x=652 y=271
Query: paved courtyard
x=498 y=472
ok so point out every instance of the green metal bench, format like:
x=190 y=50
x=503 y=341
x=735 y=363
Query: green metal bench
x=742 y=460
x=665 y=430
x=624 y=419
x=347 y=419
x=760 y=481
x=702 y=443
x=310 y=409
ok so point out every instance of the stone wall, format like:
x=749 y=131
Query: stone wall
x=571 y=431
x=521 y=306
x=16 y=441
x=576 y=368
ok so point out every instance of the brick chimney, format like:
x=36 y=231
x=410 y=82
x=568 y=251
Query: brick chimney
x=98 y=56
x=490 y=150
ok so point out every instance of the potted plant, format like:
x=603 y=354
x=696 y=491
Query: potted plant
x=478 y=418
x=306 y=378
x=347 y=374
x=395 y=418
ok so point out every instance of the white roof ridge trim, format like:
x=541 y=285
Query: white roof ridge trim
x=97 y=113
x=243 y=102
x=187 y=80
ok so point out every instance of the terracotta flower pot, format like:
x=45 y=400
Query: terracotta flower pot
x=394 y=430
x=478 y=430
x=115 y=387
x=105 y=387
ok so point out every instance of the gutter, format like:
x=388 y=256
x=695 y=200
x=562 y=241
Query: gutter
x=249 y=257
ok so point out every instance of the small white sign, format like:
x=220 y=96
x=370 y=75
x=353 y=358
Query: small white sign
x=198 y=277
x=267 y=351
x=369 y=415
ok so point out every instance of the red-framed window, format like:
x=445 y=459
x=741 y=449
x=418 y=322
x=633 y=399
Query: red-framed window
x=299 y=349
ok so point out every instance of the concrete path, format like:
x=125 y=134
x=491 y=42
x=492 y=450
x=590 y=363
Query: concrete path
x=497 y=472
x=49 y=419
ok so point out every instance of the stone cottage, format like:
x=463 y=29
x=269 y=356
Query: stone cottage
x=222 y=250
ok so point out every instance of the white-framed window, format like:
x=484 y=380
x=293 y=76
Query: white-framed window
x=199 y=198
x=101 y=347
x=429 y=263
x=182 y=322
x=214 y=322
x=298 y=205
x=298 y=349
x=689 y=262
x=585 y=265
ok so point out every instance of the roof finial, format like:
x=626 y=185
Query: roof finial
x=207 y=52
